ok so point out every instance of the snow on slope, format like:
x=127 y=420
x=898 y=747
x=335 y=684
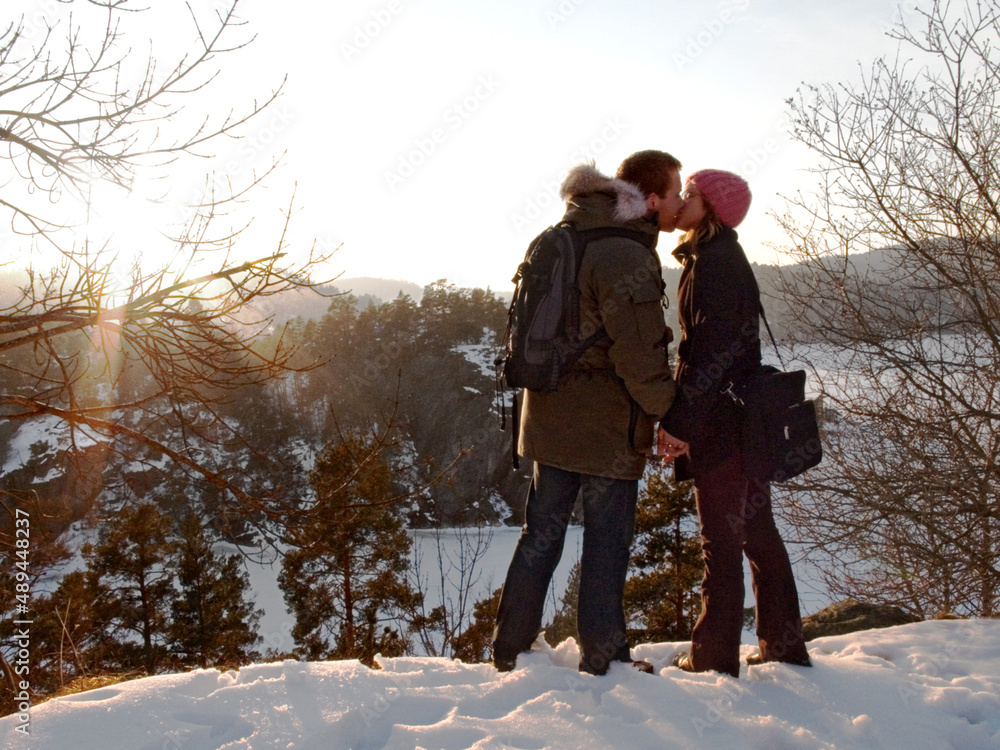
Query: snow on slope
x=930 y=685
x=48 y=431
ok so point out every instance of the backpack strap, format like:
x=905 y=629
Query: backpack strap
x=581 y=238
x=515 y=427
x=645 y=239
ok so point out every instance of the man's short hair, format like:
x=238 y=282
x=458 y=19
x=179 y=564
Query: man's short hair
x=648 y=170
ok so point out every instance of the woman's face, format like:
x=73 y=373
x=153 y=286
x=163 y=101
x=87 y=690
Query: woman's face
x=693 y=211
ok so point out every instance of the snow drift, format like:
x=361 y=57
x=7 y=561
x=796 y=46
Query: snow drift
x=927 y=685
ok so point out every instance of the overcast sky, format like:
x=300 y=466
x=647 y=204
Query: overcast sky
x=429 y=136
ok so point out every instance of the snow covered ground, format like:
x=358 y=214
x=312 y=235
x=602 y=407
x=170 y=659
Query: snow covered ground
x=930 y=685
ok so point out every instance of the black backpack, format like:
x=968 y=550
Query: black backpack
x=542 y=342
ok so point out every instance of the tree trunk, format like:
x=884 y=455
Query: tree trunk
x=349 y=635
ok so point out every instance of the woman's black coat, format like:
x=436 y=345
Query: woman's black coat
x=719 y=313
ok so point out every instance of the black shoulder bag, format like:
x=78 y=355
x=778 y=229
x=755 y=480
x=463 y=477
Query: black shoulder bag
x=779 y=424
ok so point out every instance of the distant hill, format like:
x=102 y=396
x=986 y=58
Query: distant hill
x=302 y=303
x=311 y=304
x=308 y=304
x=877 y=262
x=767 y=278
x=382 y=290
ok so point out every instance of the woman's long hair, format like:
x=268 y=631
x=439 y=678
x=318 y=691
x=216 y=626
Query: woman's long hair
x=706 y=230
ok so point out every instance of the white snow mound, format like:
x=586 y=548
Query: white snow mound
x=927 y=685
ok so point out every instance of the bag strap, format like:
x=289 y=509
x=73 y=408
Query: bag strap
x=599 y=233
x=731 y=387
x=515 y=430
x=763 y=317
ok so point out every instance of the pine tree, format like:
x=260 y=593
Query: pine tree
x=128 y=575
x=476 y=641
x=213 y=623
x=345 y=576
x=662 y=599
x=68 y=636
x=563 y=624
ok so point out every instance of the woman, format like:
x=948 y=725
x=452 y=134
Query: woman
x=719 y=314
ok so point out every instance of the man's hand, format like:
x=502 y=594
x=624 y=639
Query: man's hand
x=669 y=447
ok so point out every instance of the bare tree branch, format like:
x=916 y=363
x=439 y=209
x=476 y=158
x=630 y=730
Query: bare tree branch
x=140 y=364
x=896 y=307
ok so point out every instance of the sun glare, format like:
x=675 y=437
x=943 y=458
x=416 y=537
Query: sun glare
x=127 y=229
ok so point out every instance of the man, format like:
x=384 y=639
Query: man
x=592 y=435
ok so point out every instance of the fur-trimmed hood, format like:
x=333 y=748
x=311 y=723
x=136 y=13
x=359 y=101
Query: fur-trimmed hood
x=630 y=203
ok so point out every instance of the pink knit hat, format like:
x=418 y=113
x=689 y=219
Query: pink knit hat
x=728 y=193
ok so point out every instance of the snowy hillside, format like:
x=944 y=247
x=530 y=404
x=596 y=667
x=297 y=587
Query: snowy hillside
x=928 y=685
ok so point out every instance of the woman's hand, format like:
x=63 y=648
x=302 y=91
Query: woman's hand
x=668 y=447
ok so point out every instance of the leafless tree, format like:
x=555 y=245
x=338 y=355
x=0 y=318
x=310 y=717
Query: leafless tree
x=897 y=310
x=137 y=360
x=458 y=576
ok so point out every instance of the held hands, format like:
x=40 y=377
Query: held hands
x=668 y=447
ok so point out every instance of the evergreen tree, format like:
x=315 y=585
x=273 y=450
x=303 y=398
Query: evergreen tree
x=69 y=638
x=563 y=624
x=662 y=598
x=475 y=642
x=345 y=575
x=128 y=575
x=213 y=623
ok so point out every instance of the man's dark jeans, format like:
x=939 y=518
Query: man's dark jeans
x=608 y=524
